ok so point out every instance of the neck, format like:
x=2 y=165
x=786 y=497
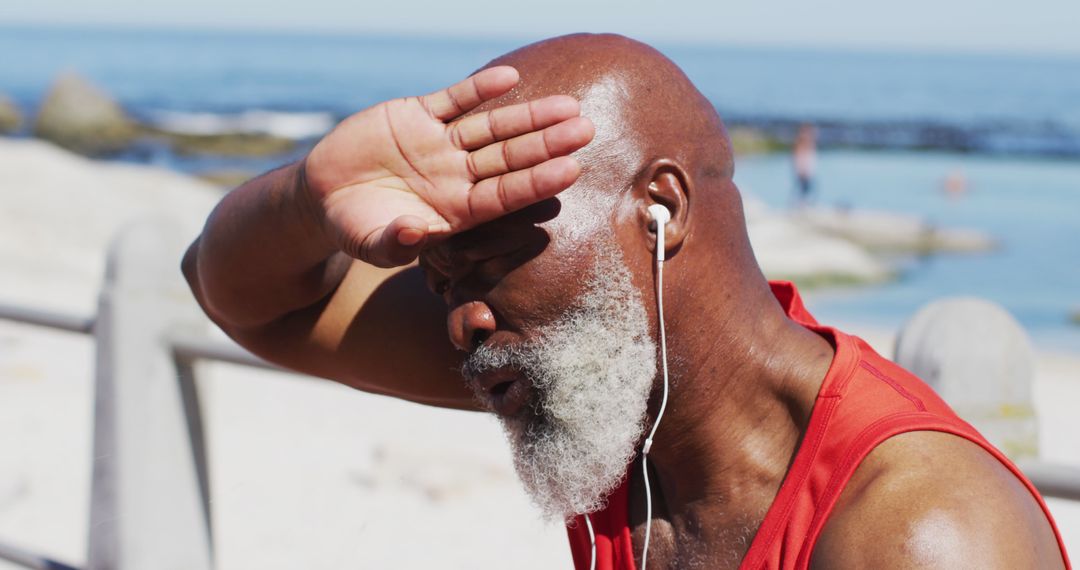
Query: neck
x=737 y=414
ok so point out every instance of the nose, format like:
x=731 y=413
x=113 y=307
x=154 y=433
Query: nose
x=469 y=324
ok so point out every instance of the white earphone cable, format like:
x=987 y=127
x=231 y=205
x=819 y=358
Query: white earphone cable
x=592 y=540
x=660 y=254
x=663 y=402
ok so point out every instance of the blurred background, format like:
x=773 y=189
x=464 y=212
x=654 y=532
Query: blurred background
x=889 y=156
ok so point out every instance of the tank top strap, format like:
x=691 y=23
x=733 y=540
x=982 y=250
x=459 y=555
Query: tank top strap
x=866 y=441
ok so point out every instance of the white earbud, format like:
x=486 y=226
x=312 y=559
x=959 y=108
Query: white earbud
x=661 y=216
x=660 y=213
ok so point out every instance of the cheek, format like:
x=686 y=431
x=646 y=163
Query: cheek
x=542 y=290
x=634 y=242
x=586 y=217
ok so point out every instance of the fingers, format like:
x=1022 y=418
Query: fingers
x=495 y=197
x=396 y=244
x=465 y=95
x=529 y=149
x=499 y=124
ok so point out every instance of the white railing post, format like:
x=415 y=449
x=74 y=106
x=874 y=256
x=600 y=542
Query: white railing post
x=149 y=495
x=979 y=359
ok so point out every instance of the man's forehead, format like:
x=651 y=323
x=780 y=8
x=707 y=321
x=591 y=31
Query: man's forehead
x=614 y=156
x=573 y=218
x=513 y=226
x=640 y=102
x=538 y=221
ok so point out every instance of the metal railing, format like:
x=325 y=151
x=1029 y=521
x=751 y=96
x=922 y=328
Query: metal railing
x=149 y=494
x=149 y=503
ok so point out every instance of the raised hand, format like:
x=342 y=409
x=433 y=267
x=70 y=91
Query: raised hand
x=391 y=177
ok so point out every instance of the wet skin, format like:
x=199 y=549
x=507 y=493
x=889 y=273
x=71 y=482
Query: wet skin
x=487 y=278
x=745 y=376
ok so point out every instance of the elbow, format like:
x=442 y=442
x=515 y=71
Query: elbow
x=189 y=267
x=220 y=311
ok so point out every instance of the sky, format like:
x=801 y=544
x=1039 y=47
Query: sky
x=1028 y=26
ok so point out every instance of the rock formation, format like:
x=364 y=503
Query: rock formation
x=81 y=117
x=10 y=117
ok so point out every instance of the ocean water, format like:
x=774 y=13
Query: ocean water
x=1017 y=118
x=1031 y=206
x=1023 y=104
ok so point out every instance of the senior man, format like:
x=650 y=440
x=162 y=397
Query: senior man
x=785 y=444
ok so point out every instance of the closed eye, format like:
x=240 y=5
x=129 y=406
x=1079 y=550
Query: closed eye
x=437 y=282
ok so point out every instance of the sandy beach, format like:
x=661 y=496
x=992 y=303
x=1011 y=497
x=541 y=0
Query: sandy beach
x=304 y=473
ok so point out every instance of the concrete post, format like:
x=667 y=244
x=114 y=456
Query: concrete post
x=149 y=496
x=979 y=360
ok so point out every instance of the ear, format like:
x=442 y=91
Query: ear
x=665 y=182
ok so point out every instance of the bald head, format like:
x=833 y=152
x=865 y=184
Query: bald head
x=657 y=136
x=573 y=309
x=642 y=104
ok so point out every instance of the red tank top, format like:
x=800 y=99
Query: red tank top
x=864 y=400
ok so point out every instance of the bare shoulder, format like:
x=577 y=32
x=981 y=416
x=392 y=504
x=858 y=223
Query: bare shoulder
x=934 y=500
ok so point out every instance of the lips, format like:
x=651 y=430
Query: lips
x=507 y=390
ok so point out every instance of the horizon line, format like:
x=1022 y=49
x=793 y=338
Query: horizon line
x=518 y=38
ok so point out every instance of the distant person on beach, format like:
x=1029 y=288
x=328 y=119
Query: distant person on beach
x=804 y=159
x=527 y=194
x=955 y=184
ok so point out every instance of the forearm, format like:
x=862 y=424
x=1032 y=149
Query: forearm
x=263 y=253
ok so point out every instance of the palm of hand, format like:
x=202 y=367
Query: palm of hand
x=414 y=170
x=389 y=177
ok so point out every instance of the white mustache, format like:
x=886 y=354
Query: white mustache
x=491 y=358
x=591 y=373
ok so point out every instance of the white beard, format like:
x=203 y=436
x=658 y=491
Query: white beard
x=591 y=372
